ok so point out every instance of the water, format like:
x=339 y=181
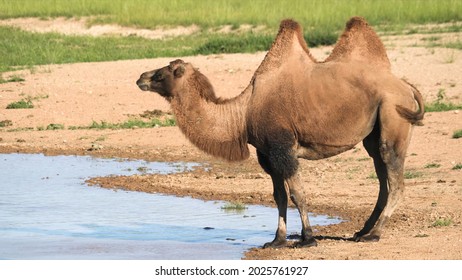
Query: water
x=47 y=212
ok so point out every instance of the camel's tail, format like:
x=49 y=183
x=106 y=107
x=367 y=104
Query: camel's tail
x=414 y=117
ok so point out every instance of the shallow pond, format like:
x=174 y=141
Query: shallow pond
x=48 y=212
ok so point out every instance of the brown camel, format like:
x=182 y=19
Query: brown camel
x=296 y=107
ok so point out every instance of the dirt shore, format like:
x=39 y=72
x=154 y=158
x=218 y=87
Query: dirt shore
x=426 y=225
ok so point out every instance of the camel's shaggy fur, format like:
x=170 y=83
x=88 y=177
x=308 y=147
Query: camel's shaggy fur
x=296 y=107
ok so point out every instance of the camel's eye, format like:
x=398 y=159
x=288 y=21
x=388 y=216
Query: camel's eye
x=158 y=77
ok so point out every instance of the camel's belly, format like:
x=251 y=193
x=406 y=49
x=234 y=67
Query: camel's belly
x=319 y=151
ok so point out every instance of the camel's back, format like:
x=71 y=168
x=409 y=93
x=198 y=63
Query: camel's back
x=331 y=103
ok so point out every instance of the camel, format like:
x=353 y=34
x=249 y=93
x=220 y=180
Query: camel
x=297 y=107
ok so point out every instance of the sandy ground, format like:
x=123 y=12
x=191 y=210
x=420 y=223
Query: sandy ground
x=77 y=94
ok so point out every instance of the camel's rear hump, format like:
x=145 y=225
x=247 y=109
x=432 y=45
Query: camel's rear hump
x=360 y=42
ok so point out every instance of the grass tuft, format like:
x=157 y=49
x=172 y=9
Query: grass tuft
x=130 y=124
x=457 y=166
x=440 y=106
x=12 y=79
x=433 y=165
x=457 y=134
x=442 y=222
x=55 y=126
x=21 y=104
x=6 y=123
x=412 y=174
x=234 y=206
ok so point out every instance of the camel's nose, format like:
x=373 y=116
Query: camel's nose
x=143 y=83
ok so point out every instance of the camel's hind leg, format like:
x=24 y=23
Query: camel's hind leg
x=388 y=152
x=372 y=145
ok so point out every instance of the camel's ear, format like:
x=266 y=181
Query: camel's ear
x=179 y=71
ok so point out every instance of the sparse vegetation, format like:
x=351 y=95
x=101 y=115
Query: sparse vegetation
x=412 y=174
x=101 y=138
x=431 y=38
x=21 y=104
x=439 y=105
x=457 y=134
x=457 y=166
x=132 y=123
x=6 y=123
x=142 y=169
x=55 y=126
x=234 y=206
x=450 y=57
x=129 y=124
x=433 y=165
x=12 y=79
x=442 y=222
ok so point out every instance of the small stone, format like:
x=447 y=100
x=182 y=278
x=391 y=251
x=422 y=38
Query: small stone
x=95 y=147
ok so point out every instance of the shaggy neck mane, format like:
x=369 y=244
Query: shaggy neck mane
x=214 y=125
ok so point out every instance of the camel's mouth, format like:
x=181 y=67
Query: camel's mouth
x=142 y=85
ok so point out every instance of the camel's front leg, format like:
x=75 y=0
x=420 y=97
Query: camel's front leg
x=280 y=196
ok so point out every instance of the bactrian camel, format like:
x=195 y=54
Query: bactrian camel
x=296 y=107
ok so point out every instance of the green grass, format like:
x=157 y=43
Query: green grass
x=5 y=123
x=210 y=13
x=442 y=222
x=322 y=21
x=12 y=79
x=439 y=105
x=129 y=124
x=457 y=166
x=21 y=104
x=372 y=176
x=55 y=126
x=433 y=165
x=442 y=107
x=132 y=123
x=457 y=134
x=412 y=174
x=234 y=206
x=24 y=49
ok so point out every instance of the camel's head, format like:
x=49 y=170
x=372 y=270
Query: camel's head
x=164 y=80
x=175 y=79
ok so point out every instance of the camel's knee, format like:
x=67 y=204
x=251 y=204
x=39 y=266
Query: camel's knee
x=391 y=155
x=297 y=195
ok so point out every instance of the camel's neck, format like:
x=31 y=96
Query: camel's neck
x=216 y=128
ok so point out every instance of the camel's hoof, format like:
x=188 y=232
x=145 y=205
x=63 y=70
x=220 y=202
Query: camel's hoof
x=311 y=242
x=275 y=244
x=366 y=238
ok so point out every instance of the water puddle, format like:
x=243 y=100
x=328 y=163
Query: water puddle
x=47 y=212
